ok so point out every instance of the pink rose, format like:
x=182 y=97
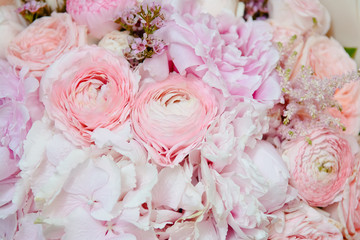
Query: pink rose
x=319 y=165
x=41 y=43
x=320 y=52
x=304 y=15
x=11 y=24
x=299 y=221
x=86 y=89
x=99 y=15
x=172 y=116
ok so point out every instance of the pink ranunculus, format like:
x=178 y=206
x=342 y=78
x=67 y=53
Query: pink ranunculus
x=300 y=221
x=347 y=211
x=11 y=24
x=319 y=165
x=99 y=15
x=305 y=15
x=45 y=40
x=171 y=117
x=86 y=89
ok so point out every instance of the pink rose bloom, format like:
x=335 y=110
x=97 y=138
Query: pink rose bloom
x=319 y=165
x=229 y=54
x=41 y=43
x=86 y=89
x=98 y=15
x=303 y=15
x=320 y=52
x=171 y=117
x=299 y=221
x=11 y=24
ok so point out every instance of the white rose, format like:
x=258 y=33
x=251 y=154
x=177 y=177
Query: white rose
x=11 y=23
x=216 y=7
x=115 y=41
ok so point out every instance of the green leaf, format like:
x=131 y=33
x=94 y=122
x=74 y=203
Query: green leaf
x=351 y=51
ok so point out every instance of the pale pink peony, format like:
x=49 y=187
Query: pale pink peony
x=86 y=89
x=238 y=127
x=171 y=117
x=300 y=221
x=273 y=168
x=98 y=15
x=319 y=165
x=304 y=15
x=11 y=24
x=229 y=54
x=233 y=198
x=45 y=40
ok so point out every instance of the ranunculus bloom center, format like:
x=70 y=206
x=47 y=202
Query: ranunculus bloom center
x=95 y=90
x=171 y=117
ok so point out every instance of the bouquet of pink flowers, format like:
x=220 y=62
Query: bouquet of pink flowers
x=176 y=119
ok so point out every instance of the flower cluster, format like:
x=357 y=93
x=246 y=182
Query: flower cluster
x=158 y=120
x=141 y=23
x=34 y=9
x=256 y=9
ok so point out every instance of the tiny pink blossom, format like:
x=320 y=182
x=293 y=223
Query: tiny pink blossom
x=33 y=6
